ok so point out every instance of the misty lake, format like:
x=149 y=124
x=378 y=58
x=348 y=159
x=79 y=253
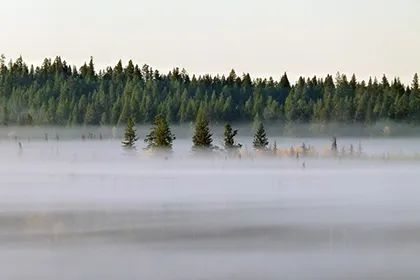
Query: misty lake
x=74 y=209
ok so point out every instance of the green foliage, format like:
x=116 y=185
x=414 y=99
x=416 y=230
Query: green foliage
x=202 y=138
x=260 y=138
x=160 y=136
x=130 y=136
x=56 y=94
x=229 y=137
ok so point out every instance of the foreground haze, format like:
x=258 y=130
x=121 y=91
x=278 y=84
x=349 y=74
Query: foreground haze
x=73 y=209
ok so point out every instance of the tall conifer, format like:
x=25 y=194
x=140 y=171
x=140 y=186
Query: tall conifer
x=202 y=138
x=130 y=136
x=260 y=138
x=160 y=136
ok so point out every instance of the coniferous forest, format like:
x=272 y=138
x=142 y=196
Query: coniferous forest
x=56 y=93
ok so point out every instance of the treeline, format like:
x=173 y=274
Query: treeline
x=56 y=93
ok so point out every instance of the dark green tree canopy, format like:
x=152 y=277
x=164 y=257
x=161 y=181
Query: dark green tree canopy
x=160 y=136
x=56 y=93
x=260 y=138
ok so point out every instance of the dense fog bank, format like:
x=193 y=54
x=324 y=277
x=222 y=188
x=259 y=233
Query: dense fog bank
x=88 y=209
x=278 y=129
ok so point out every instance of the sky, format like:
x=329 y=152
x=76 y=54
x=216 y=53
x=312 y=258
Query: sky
x=264 y=37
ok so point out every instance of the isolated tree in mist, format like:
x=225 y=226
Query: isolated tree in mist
x=334 y=147
x=160 y=136
x=229 y=137
x=130 y=136
x=275 y=148
x=260 y=138
x=202 y=138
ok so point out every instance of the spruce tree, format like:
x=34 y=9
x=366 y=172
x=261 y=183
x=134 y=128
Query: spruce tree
x=130 y=136
x=415 y=85
x=202 y=138
x=284 y=82
x=260 y=138
x=160 y=136
x=230 y=137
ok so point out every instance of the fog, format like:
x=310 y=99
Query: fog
x=87 y=209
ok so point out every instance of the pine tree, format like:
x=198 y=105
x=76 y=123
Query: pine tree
x=284 y=82
x=202 y=138
x=160 y=136
x=130 y=136
x=230 y=137
x=415 y=84
x=260 y=138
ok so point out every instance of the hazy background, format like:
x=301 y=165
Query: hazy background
x=265 y=37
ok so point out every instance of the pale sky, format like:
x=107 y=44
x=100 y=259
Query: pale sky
x=264 y=37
